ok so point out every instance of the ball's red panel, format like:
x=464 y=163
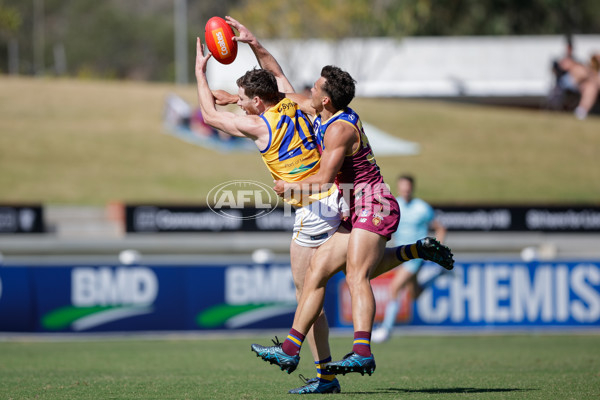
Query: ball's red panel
x=218 y=36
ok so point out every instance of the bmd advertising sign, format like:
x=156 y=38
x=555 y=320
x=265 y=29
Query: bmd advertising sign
x=83 y=298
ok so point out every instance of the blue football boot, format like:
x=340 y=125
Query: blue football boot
x=352 y=362
x=316 y=386
x=275 y=355
x=433 y=250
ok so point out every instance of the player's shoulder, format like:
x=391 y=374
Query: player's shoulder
x=349 y=115
x=255 y=125
x=340 y=132
x=344 y=121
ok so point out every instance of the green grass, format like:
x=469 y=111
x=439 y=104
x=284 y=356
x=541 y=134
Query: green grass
x=90 y=142
x=431 y=367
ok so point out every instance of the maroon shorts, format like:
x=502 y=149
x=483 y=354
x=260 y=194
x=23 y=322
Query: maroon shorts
x=377 y=213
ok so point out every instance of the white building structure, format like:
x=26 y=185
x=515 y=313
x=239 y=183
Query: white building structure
x=481 y=67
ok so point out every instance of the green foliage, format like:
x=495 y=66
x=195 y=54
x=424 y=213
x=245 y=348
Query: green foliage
x=108 y=38
x=339 y=18
x=10 y=20
x=135 y=39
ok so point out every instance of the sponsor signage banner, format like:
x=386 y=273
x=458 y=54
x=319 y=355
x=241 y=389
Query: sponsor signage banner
x=496 y=294
x=264 y=217
x=17 y=312
x=243 y=297
x=107 y=298
x=545 y=219
x=102 y=298
x=21 y=219
x=176 y=219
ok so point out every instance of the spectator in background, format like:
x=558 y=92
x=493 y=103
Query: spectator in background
x=417 y=218
x=585 y=77
x=200 y=127
x=589 y=88
x=573 y=77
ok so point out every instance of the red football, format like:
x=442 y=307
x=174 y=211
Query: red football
x=219 y=40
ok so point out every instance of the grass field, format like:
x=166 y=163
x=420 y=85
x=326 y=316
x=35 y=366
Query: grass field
x=432 y=367
x=91 y=142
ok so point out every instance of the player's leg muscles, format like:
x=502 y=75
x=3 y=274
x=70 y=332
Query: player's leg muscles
x=365 y=251
x=329 y=258
x=318 y=336
x=300 y=259
x=388 y=262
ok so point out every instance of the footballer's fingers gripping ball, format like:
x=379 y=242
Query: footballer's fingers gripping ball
x=219 y=40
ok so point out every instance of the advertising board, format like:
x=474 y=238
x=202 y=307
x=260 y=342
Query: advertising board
x=230 y=296
x=497 y=294
x=21 y=219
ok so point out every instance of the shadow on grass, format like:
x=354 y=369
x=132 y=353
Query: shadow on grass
x=445 y=390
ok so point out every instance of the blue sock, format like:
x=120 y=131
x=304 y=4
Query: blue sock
x=322 y=373
x=408 y=252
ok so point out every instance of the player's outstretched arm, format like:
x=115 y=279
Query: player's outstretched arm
x=235 y=125
x=265 y=59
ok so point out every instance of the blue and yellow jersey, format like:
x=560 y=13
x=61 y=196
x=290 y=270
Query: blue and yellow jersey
x=292 y=153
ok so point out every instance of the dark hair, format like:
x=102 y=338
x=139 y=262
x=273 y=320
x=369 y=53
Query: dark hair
x=407 y=177
x=261 y=83
x=339 y=85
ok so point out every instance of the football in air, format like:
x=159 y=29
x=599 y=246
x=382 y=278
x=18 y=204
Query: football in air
x=219 y=40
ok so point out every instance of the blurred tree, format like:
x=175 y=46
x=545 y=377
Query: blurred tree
x=339 y=18
x=134 y=39
x=10 y=21
x=502 y=17
x=104 y=39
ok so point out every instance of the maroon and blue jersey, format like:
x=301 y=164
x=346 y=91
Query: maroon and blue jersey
x=359 y=179
x=360 y=167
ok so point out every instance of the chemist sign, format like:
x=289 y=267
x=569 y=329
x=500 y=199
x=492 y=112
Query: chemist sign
x=509 y=294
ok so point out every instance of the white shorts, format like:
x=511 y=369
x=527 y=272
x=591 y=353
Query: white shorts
x=316 y=222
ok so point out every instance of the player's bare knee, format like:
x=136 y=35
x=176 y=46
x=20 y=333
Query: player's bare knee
x=317 y=275
x=355 y=279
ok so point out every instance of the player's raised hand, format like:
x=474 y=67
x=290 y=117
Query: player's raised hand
x=244 y=36
x=201 y=59
x=280 y=187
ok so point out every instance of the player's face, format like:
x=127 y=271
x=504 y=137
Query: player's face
x=405 y=189
x=317 y=95
x=246 y=103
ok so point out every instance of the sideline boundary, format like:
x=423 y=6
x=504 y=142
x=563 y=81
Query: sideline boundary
x=247 y=334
